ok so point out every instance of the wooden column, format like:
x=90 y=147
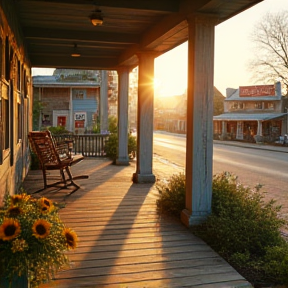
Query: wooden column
x=123 y=84
x=224 y=130
x=145 y=114
x=199 y=143
x=104 y=102
x=259 y=128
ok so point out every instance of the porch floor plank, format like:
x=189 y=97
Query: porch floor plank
x=123 y=242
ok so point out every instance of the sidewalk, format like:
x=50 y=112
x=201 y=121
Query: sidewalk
x=268 y=147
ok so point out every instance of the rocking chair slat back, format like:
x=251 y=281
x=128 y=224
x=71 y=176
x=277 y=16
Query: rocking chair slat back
x=54 y=157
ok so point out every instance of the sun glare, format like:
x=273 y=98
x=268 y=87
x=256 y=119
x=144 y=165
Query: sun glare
x=171 y=72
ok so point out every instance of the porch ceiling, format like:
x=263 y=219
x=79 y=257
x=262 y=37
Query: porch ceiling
x=51 y=28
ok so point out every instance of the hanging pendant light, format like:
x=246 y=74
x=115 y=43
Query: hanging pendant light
x=75 y=52
x=96 y=18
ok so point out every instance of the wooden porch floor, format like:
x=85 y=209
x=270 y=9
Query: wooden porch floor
x=123 y=242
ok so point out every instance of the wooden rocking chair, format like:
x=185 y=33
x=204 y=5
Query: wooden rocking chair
x=55 y=156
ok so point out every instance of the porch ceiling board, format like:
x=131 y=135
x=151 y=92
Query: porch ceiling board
x=51 y=28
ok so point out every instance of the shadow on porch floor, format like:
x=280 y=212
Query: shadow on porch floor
x=123 y=242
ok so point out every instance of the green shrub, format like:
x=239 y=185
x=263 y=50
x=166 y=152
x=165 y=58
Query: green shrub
x=111 y=146
x=112 y=124
x=275 y=263
x=241 y=218
x=242 y=228
x=172 y=195
x=58 y=130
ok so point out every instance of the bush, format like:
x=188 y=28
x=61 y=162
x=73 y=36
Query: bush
x=245 y=230
x=111 y=146
x=112 y=124
x=172 y=195
x=58 y=130
x=242 y=228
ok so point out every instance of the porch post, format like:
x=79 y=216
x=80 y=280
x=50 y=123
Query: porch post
x=224 y=130
x=123 y=83
x=259 y=128
x=199 y=141
x=145 y=115
x=104 y=102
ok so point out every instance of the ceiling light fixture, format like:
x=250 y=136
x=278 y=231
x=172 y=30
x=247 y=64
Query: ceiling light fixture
x=96 y=18
x=75 y=52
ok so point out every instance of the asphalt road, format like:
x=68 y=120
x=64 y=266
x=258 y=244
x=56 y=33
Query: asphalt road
x=252 y=165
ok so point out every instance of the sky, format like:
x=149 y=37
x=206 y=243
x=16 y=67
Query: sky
x=233 y=51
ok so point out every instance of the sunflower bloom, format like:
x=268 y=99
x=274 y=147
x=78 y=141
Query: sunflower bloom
x=9 y=229
x=19 y=197
x=71 y=238
x=45 y=205
x=14 y=211
x=41 y=228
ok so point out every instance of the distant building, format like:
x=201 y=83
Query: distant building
x=252 y=113
x=71 y=98
x=170 y=114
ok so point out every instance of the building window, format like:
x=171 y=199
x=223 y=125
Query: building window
x=46 y=120
x=19 y=122
x=258 y=105
x=18 y=75
x=7 y=60
x=269 y=105
x=241 y=106
x=6 y=132
x=79 y=94
x=238 y=106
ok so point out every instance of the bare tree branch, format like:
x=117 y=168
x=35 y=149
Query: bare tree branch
x=270 y=62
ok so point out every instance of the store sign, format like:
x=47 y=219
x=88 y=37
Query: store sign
x=256 y=91
x=80 y=116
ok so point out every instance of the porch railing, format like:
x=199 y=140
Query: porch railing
x=92 y=145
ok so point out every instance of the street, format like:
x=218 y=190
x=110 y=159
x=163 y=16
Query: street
x=252 y=166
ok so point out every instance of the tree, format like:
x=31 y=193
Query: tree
x=271 y=53
x=218 y=102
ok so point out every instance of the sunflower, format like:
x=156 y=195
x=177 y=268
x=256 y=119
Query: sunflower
x=45 y=205
x=41 y=228
x=71 y=238
x=9 y=229
x=19 y=197
x=14 y=211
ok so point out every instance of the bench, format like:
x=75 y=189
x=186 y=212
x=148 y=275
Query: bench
x=55 y=156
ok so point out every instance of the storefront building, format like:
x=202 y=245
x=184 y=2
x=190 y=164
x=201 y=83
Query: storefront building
x=252 y=114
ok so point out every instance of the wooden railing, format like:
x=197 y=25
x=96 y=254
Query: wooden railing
x=92 y=145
